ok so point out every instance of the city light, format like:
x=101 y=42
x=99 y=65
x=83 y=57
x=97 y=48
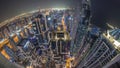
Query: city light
x=59 y=9
x=117 y=44
x=49 y=18
x=59 y=38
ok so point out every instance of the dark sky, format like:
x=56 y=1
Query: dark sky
x=102 y=10
x=10 y=8
x=105 y=11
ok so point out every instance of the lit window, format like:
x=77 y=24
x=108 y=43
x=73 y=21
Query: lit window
x=16 y=39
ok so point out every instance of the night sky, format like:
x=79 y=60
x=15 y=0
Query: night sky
x=11 y=8
x=103 y=11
